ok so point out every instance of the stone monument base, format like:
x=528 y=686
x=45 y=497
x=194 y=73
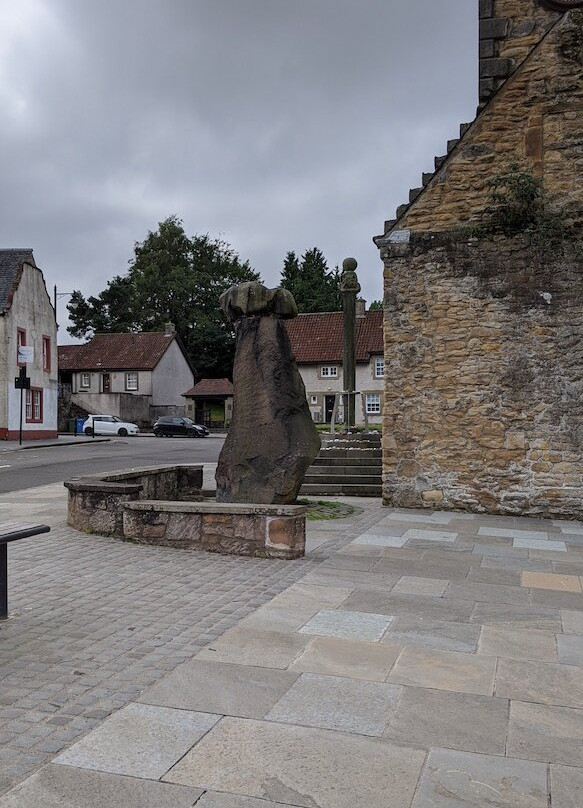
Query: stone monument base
x=166 y=506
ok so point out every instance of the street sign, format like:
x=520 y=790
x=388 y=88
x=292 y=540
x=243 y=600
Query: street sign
x=25 y=354
x=22 y=382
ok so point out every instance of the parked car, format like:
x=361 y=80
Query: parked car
x=109 y=425
x=170 y=425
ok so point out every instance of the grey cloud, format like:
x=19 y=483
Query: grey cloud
x=277 y=125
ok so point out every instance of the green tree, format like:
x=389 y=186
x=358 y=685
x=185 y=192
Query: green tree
x=313 y=285
x=172 y=278
x=376 y=305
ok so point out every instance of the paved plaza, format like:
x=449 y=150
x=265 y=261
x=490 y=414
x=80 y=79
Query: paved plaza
x=411 y=660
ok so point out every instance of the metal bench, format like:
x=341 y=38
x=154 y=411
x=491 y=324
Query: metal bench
x=12 y=532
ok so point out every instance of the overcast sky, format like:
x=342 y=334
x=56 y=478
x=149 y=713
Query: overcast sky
x=275 y=124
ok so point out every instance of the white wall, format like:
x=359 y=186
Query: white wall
x=319 y=386
x=171 y=378
x=32 y=311
x=117 y=380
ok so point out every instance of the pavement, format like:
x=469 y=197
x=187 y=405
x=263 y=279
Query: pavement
x=413 y=659
x=65 y=439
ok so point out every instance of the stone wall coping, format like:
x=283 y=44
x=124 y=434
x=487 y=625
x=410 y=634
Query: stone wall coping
x=119 y=480
x=233 y=508
x=105 y=486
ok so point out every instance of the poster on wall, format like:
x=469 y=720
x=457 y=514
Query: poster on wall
x=25 y=354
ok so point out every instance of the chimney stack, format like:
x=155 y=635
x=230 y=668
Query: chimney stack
x=360 y=307
x=169 y=330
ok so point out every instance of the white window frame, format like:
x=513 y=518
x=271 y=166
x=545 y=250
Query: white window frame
x=132 y=387
x=313 y=400
x=372 y=403
x=329 y=371
x=379 y=364
x=84 y=381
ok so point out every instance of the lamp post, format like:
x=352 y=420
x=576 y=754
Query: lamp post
x=56 y=296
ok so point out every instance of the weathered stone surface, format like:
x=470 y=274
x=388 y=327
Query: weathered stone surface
x=272 y=439
x=483 y=335
x=233 y=529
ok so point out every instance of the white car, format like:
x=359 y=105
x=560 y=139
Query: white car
x=109 y=425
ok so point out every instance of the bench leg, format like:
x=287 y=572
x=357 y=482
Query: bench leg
x=3 y=581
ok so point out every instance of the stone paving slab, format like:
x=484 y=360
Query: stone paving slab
x=57 y=786
x=566 y=787
x=473 y=676
x=459 y=779
x=445 y=670
x=333 y=702
x=140 y=740
x=93 y=622
x=351 y=625
x=428 y=718
x=550 y=734
x=213 y=687
x=301 y=766
x=352 y=658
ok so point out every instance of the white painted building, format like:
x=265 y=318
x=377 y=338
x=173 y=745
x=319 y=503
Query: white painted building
x=27 y=321
x=136 y=376
x=317 y=344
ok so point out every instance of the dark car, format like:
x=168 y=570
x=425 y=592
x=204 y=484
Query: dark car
x=175 y=425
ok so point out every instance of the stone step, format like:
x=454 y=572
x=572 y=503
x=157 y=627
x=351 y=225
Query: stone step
x=373 y=463
x=342 y=479
x=347 y=490
x=354 y=454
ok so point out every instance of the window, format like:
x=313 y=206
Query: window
x=313 y=399
x=379 y=368
x=131 y=381
x=85 y=380
x=373 y=403
x=20 y=341
x=34 y=406
x=46 y=354
x=329 y=372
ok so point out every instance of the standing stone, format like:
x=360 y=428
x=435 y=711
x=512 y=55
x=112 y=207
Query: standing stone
x=272 y=439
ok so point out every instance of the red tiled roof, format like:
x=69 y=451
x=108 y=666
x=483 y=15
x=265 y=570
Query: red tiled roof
x=318 y=337
x=211 y=387
x=115 y=352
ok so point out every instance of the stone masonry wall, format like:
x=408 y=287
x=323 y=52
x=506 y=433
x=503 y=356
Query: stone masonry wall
x=534 y=119
x=509 y=30
x=484 y=378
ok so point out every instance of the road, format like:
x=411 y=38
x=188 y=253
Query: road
x=28 y=468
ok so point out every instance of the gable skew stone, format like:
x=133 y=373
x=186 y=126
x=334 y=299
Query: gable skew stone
x=532 y=119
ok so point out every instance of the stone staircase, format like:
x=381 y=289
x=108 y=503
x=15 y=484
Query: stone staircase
x=349 y=465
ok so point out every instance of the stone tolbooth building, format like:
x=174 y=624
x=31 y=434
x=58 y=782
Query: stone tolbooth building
x=483 y=287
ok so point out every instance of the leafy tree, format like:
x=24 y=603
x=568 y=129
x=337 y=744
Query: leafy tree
x=172 y=278
x=313 y=285
x=376 y=305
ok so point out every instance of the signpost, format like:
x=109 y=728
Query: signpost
x=22 y=383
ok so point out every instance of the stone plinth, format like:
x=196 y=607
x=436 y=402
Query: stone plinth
x=155 y=506
x=96 y=501
x=272 y=531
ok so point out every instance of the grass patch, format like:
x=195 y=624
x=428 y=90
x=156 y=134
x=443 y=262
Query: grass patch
x=320 y=509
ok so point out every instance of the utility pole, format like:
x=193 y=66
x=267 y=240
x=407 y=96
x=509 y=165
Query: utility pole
x=350 y=287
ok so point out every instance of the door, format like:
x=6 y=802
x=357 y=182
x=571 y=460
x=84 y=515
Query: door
x=106 y=383
x=329 y=406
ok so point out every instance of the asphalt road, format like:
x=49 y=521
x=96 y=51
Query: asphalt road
x=28 y=468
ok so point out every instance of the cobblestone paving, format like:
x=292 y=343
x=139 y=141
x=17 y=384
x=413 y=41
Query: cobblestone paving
x=94 y=621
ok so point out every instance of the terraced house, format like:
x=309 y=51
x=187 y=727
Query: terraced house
x=28 y=343
x=317 y=343
x=484 y=287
